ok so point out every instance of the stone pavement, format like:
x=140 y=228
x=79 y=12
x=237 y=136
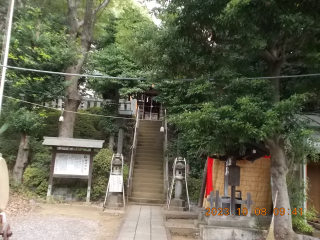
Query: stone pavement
x=143 y=223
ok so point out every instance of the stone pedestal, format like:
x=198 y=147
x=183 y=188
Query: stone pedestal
x=177 y=205
x=114 y=200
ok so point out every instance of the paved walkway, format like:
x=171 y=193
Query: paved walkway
x=143 y=223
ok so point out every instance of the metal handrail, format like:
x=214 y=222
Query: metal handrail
x=166 y=157
x=133 y=153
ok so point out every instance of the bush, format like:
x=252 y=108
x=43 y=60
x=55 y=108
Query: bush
x=101 y=173
x=36 y=180
x=297 y=197
x=194 y=187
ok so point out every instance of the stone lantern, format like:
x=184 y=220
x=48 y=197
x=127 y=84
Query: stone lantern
x=179 y=169
x=117 y=165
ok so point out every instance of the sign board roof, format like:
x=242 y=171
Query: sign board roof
x=72 y=142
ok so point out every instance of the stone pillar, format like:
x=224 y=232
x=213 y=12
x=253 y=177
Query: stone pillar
x=121 y=124
x=178 y=189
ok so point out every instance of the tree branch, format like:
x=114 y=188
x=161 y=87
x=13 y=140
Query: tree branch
x=101 y=6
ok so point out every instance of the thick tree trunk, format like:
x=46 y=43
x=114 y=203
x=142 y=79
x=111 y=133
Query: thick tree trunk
x=22 y=158
x=279 y=169
x=71 y=104
x=74 y=25
x=275 y=59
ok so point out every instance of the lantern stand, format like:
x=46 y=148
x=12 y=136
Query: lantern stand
x=179 y=173
x=115 y=183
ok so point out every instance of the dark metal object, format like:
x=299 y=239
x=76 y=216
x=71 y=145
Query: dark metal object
x=234 y=175
x=220 y=201
x=239 y=204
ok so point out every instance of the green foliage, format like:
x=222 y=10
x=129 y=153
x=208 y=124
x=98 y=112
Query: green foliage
x=40 y=156
x=26 y=121
x=102 y=162
x=101 y=172
x=39 y=41
x=297 y=197
x=36 y=179
x=194 y=187
x=117 y=51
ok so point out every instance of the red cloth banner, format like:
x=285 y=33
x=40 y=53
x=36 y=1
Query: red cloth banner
x=209 y=187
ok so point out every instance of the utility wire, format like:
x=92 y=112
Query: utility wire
x=144 y=79
x=91 y=114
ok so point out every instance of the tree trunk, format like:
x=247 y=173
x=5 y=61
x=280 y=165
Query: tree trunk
x=87 y=24
x=22 y=158
x=73 y=97
x=275 y=59
x=279 y=170
x=72 y=102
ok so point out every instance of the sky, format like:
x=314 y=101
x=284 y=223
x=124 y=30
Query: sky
x=150 y=4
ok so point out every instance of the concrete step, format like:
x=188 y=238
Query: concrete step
x=149 y=185
x=150 y=132
x=148 y=175
x=179 y=215
x=150 y=122
x=149 y=195
x=140 y=179
x=148 y=158
x=146 y=201
x=149 y=154
x=143 y=166
x=149 y=161
x=151 y=171
x=137 y=188
x=148 y=150
x=150 y=164
x=181 y=226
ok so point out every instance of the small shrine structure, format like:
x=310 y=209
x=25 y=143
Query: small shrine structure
x=71 y=158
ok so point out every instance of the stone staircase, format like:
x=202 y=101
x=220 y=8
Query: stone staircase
x=148 y=179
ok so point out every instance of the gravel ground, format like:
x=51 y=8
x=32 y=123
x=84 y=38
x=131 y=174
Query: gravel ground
x=45 y=227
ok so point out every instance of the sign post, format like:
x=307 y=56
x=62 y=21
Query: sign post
x=69 y=163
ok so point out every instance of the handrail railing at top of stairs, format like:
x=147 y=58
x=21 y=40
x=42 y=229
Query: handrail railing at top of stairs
x=133 y=153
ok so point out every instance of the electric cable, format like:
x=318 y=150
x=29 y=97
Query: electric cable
x=91 y=114
x=144 y=79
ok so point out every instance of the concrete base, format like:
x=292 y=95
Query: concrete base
x=221 y=233
x=316 y=233
x=176 y=205
x=305 y=237
x=63 y=194
x=114 y=200
x=239 y=221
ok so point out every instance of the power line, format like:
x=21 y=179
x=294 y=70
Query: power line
x=91 y=114
x=72 y=74
x=144 y=79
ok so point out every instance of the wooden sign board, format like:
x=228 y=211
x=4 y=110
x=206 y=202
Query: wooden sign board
x=116 y=183
x=72 y=164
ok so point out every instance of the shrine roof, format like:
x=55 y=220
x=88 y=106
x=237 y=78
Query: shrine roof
x=72 y=142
